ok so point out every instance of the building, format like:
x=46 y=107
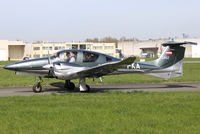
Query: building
x=12 y=50
x=192 y=51
x=153 y=48
x=43 y=49
x=18 y=50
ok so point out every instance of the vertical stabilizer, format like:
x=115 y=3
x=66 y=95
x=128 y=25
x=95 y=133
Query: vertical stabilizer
x=169 y=64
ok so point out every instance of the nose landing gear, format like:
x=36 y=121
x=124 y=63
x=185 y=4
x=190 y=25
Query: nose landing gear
x=37 y=88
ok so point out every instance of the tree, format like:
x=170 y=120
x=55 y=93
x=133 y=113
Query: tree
x=109 y=40
x=123 y=38
x=95 y=40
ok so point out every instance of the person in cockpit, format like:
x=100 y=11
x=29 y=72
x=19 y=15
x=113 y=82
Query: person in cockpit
x=71 y=57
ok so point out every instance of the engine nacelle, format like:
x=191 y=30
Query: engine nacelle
x=66 y=71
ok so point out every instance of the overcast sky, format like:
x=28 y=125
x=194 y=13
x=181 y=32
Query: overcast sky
x=67 y=20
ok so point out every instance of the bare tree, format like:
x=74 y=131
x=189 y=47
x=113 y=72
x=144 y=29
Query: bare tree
x=123 y=38
x=94 y=40
x=109 y=40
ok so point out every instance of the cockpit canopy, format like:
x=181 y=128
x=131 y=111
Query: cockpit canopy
x=90 y=57
x=66 y=56
x=81 y=57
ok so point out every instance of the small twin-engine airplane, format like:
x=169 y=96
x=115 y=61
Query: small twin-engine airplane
x=79 y=64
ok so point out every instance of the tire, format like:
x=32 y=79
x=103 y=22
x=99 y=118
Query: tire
x=37 y=88
x=25 y=58
x=88 y=88
x=70 y=87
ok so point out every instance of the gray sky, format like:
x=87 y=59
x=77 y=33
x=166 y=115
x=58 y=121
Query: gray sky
x=64 y=20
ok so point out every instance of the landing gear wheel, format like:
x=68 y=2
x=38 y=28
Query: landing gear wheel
x=88 y=88
x=37 y=88
x=70 y=86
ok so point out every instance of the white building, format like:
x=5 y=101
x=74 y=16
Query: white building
x=18 y=50
x=42 y=49
x=153 y=48
x=12 y=50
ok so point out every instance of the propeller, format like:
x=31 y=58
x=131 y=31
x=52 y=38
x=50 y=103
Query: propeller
x=49 y=66
x=49 y=60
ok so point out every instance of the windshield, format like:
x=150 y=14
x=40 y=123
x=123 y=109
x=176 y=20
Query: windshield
x=89 y=57
x=66 y=56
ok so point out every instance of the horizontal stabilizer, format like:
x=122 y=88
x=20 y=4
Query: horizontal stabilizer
x=171 y=72
x=172 y=43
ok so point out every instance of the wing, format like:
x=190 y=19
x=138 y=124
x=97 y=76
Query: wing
x=105 y=69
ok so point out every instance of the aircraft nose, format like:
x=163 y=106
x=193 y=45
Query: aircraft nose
x=17 y=66
x=10 y=67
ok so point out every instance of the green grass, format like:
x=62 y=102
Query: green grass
x=116 y=112
x=103 y=113
x=191 y=59
x=191 y=73
x=185 y=59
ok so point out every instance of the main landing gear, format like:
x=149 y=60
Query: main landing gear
x=37 y=88
x=69 y=85
x=82 y=85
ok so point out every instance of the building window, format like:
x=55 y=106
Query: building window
x=36 y=56
x=56 y=48
x=108 y=47
x=89 y=46
x=68 y=46
x=74 y=46
x=83 y=46
x=36 y=48
x=45 y=55
x=97 y=47
x=46 y=48
x=59 y=48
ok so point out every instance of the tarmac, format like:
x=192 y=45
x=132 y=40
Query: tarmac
x=158 y=87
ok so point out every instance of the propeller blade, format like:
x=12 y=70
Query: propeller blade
x=49 y=60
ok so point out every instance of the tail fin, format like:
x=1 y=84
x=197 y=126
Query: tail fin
x=170 y=56
x=169 y=64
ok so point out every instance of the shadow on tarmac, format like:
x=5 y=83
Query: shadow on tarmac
x=59 y=87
